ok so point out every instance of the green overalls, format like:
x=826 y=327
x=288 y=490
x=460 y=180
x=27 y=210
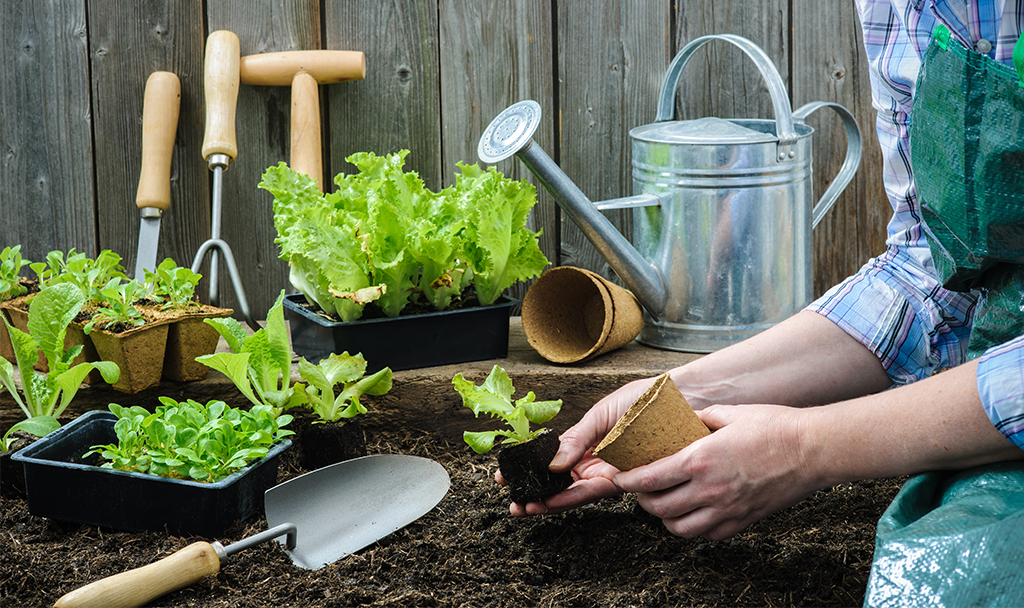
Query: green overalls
x=957 y=538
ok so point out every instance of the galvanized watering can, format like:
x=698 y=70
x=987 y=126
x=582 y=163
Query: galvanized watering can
x=722 y=210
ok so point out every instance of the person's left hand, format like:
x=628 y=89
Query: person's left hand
x=752 y=465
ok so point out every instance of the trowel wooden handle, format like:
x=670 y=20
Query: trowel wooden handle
x=306 y=150
x=159 y=125
x=220 y=74
x=137 y=587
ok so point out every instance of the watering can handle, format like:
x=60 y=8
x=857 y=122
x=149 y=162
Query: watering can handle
x=850 y=165
x=780 y=101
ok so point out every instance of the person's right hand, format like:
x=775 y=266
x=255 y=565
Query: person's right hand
x=592 y=476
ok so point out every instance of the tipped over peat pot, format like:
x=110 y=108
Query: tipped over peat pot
x=61 y=487
x=525 y=468
x=406 y=341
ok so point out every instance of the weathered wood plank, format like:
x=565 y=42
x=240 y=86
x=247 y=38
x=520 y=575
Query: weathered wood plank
x=494 y=54
x=398 y=105
x=263 y=133
x=46 y=161
x=129 y=40
x=831 y=67
x=611 y=57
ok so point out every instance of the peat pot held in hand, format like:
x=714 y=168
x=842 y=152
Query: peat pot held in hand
x=404 y=342
x=325 y=444
x=61 y=486
x=525 y=468
x=658 y=424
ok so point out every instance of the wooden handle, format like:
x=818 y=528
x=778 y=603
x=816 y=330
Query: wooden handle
x=137 y=587
x=306 y=153
x=220 y=73
x=159 y=125
x=278 y=69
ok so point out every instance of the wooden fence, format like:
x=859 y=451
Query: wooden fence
x=73 y=72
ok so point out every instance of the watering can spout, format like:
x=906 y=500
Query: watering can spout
x=511 y=133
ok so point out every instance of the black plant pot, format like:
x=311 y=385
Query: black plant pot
x=525 y=468
x=403 y=342
x=12 y=473
x=322 y=445
x=61 y=487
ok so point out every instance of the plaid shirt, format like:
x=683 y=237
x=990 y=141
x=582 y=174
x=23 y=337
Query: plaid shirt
x=894 y=305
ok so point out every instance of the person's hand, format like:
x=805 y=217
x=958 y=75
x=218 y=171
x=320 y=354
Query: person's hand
x=592 y=476
x=749 y=467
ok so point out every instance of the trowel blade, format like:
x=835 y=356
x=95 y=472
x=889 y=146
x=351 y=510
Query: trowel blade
x=341 y=508
x=149 y=237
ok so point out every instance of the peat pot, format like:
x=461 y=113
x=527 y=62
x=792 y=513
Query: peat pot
x=722 y=210
x=405 y=341
x=61 y=487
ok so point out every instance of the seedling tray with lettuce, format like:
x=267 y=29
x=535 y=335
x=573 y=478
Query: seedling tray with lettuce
x=383 y=249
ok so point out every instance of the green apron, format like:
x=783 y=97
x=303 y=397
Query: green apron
x=957 y=538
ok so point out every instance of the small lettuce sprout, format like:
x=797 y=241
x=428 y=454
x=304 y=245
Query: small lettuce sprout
x=348 y=371
x=494 y=398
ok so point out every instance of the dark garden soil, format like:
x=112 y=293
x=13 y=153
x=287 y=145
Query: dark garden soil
x=469 y=551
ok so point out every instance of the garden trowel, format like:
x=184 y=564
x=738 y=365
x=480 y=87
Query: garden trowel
x=325 y=515
x=159 y=126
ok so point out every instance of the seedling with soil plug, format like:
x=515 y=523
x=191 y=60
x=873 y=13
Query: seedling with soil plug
x=524 y=454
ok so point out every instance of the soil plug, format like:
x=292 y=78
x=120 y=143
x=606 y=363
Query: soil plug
x=658 y=424
x=524 y=455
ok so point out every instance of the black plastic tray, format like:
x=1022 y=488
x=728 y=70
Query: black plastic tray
x=404 y=342
x=63 y=490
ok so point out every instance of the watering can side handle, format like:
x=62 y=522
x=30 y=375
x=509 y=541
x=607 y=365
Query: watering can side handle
x=854 y=148
x=780 y=100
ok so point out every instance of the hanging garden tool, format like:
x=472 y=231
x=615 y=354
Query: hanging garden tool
x=220 y=72
x=159 y=125
x=303 y=71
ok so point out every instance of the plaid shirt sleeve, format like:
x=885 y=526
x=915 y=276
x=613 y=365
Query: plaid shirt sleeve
x=894 y=305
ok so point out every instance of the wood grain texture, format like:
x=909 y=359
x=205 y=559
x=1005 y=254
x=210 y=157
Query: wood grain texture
x=494 y=54
x=611 y=58
x=161 y=37
x=46 y=157
x=263 y=133
x=829 y=65
x=398 y=105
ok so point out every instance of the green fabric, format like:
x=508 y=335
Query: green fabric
x=967 y=149
x=952 y=539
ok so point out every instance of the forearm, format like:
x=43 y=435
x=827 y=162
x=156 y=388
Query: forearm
x=805 y=360
x=937 y=423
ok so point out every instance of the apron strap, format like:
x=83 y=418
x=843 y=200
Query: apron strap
x=1018 y=59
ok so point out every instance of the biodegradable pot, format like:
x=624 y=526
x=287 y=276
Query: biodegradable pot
x=138 y=352
x=658 y=424
x=61 y=487
x=17 y=311
x=572 y=315
x=6 y=350
x=525 y=468
x=189 y=337
x=403 y=342
x=325 y=444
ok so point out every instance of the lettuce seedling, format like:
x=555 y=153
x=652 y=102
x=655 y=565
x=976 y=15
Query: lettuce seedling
x=494 y=398
x=189 y=440
x=117 y=308
x=48 y=395
x=172 y=286
x=89 y=275
x=259 y=364
x=11 y=264
x=347 y=370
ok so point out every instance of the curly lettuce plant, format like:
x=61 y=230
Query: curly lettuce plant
x=348 y=371
x=494 y=398
x=47 y=395
x=383 y=237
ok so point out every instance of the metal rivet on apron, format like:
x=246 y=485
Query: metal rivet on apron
x=984 y=46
